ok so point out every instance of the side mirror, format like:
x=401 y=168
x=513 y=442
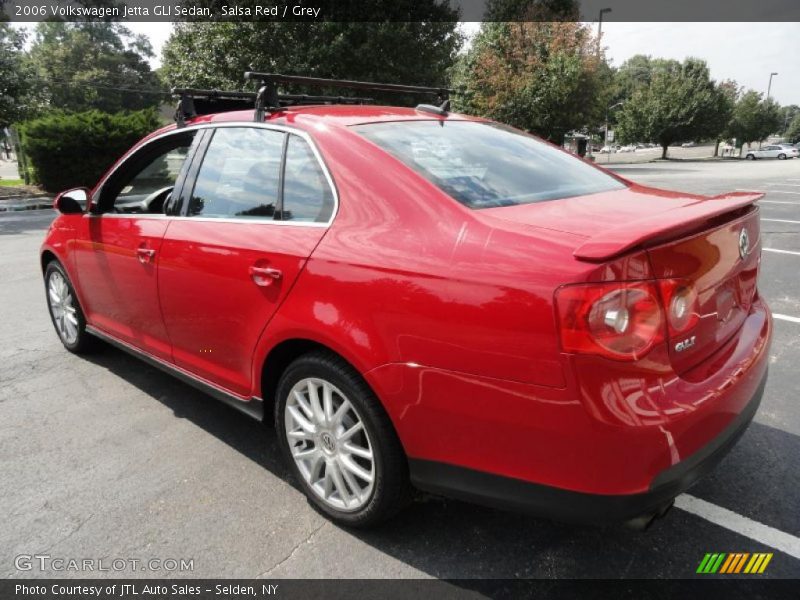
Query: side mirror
x=72 y=201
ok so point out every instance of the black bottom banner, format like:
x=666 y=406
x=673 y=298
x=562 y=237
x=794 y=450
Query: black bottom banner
x=236 y=589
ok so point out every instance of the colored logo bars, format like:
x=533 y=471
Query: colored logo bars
x=735 y=562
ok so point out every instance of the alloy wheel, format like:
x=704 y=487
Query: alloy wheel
x=330 y=445
x=62 y=306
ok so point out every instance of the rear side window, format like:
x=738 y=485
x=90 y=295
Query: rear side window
x=240 y=174
x=485 y=165
x=307 y=195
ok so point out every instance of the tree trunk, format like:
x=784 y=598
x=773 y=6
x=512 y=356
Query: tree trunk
x=716 y=149
x=664 y=150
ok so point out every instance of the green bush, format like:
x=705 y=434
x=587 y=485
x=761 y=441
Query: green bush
x=65 y=150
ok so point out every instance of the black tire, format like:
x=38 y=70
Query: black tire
x=781 y=157
x=84 y=341
x=391 y=489
x=750 y=157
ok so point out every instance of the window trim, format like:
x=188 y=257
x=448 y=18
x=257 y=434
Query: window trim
x=190 y=178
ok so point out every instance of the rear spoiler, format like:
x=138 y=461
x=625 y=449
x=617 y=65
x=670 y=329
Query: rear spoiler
x=661 y=226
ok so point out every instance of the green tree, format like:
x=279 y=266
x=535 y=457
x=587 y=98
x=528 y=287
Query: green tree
x=217 y=54
x=720 y=118
x=793 y=131
x=681 y=102
x=753 y=119
x=93 y=65
x=787 y=114
x=15 y=97
x=545 y=77
x=634 y=73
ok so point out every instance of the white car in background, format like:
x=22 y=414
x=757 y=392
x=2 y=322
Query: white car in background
x=772 y=151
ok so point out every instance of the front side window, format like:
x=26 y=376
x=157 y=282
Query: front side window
x=146 y=180
x=306 y=193
x=240 y=174
x=484 y=165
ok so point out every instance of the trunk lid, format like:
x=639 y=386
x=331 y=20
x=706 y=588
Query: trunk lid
x=721 y=266
x=690 y=238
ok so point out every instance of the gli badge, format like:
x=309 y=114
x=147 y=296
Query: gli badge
x=744 y=243
x=685 y=344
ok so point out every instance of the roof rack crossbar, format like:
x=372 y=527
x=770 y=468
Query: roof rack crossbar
x=442 y=92
x=211 y=94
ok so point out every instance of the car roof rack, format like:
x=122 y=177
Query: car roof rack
x=268 y=91
x=193 y=102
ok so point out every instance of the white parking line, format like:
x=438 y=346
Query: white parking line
x=785 y=184
x=781 y=251
x=786 y=318
x=763 y=534
x=781 y=221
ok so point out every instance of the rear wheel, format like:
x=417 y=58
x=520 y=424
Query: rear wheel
x=65 y=310
x=339 y=442
x=782 y=156
x=750 y=157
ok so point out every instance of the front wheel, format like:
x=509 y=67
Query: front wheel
x=65 y=311
x=339 y=442
x=750 y=157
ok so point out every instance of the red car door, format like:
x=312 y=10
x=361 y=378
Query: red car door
x=228 y=263
x=118 y=244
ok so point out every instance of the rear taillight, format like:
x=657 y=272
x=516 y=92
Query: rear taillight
x=622 y=321
x=680 y=303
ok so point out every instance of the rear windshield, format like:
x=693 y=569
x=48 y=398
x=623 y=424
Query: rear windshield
x=485 y=165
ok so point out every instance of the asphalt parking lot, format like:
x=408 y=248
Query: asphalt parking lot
x=106 y=457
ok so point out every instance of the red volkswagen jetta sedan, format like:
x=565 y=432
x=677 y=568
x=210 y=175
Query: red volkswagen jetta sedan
x=426 y=300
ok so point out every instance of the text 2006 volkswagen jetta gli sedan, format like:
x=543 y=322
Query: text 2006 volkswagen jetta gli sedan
x=427 y=300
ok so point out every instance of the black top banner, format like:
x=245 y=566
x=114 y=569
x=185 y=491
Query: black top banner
x=402 y=10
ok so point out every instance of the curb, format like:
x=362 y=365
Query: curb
x=29 y=203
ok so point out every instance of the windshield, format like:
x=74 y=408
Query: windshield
x=485 y=165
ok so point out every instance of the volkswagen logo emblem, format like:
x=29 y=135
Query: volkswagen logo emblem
x=327 y=442
x=744 y=243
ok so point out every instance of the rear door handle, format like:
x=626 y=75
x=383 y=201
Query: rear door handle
x=264 y=276
x=145 y=255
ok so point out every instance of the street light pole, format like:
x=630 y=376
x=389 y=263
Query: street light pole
x=769 y=87
x=600 y=27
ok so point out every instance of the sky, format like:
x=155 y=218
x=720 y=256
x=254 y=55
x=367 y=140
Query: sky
x=745 y=52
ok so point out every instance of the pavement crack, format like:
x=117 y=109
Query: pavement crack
x=70 y=534
x=291 y=554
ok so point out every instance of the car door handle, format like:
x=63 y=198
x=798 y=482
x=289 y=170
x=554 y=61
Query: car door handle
x=264 y=276
x=145 y=255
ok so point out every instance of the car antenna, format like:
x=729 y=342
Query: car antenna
x=441 y=109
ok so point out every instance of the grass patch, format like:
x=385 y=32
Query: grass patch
x=11 y=182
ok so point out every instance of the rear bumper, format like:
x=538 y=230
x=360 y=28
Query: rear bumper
x=565 y=505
